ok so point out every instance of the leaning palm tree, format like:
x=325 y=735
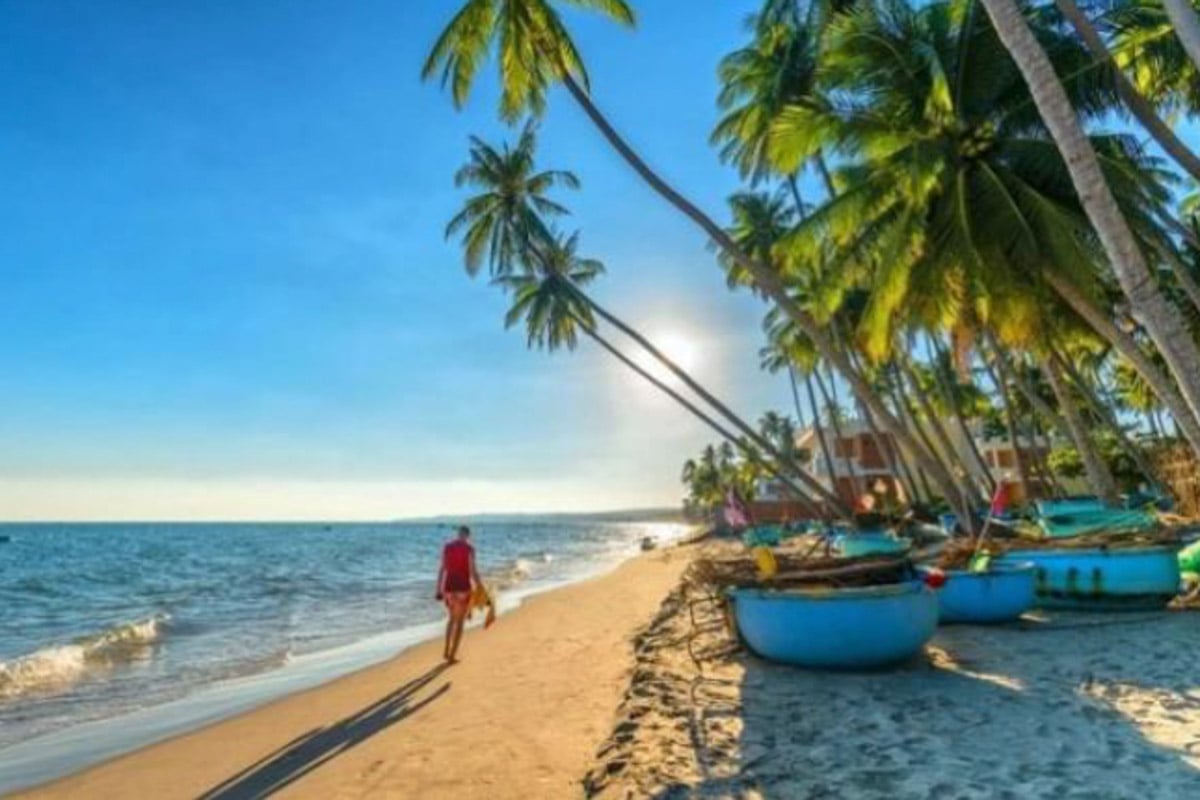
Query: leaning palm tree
x=534 y=51
x=1187 y=26
x=505 y=223
x=551 y=304
x=1162 y=321
x=955 y=199
x=1137 y=103
x=1145 y=45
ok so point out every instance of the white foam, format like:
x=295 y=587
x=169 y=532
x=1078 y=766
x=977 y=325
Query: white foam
x=57 y=667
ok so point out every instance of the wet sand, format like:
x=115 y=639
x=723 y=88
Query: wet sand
x=520 y=717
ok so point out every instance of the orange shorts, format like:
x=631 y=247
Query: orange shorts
x=458 y=603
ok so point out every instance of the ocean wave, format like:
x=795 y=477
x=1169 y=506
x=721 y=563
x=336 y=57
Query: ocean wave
x=511 y=574
x=56 y=667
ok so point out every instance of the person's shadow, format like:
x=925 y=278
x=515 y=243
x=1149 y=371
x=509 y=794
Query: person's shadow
x=309 y=751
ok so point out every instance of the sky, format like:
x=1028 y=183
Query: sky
x=226 y=292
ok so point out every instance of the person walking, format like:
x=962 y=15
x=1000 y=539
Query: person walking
x=456 y=579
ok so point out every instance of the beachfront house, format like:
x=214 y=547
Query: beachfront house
x=858 y=460
x=999 y=456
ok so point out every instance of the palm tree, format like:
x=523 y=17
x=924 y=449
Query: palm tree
x=1105 y=412
x=957 y=399
x=1134 y=394
x=1162 y=322
x=1187 y=26
x=1136 y=102
x=782 y=354
x=955 y=200
x=504 y=223
x=1145 y=45
x=1099 y=476
x=535 y=50
x=549 y=301
x=779 y=430
x=512 y=207
x=777 y=69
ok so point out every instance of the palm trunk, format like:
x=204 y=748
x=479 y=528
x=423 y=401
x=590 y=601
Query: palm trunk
x=957 y=500
x=796 y=396
x=1159 y=383
x=820 y=432
x=1158 y=422
x=939 y=431
x=721 y=408
x=1162 y=321
x=1180 y=270
x=750 y=452
x=1010 y=418
x=905 y=414
x=1099 y=477
x=1070 y=422
x=1041 y=464
x=1187 y=26
x=831 y=407
x=893 y=458
x=794 y=186
x=1152 y=424
x=767 y=282
x=826 y=177
x=951 y=393
x=1137 y=104
x=1104 y=412
x=896 y=460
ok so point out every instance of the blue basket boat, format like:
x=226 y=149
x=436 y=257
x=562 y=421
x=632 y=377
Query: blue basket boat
x=1102 y=579
x=1086 y=516
x=839 y=629
x=1000 y=594
x=853 y=544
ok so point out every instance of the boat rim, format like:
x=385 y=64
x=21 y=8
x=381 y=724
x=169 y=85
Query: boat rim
x=832 y=594
x=1051 y=552
x=995 y=568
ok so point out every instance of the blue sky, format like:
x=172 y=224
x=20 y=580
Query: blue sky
x=226 y=292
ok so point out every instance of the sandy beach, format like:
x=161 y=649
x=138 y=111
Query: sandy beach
x=1065 y=705
x=603 y=689
x=521 y=716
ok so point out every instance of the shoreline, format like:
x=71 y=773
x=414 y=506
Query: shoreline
x=77 y=746
x=366 y=705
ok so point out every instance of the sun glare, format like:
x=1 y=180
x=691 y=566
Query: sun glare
x=684 y=350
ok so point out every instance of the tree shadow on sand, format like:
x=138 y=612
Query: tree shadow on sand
x=309 y=751
x=1068 y=708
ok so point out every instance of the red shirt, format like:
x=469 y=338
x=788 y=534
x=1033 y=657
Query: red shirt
x=456 y=560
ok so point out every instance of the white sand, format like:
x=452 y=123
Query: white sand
x=1068 y=706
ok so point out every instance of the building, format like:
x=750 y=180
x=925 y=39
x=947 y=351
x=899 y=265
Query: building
x=863 y=461
x=860 y=462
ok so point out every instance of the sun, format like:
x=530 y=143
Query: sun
x=681 y=348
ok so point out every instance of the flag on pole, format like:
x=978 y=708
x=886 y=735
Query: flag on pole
x=1000 y=499
x=735 y=511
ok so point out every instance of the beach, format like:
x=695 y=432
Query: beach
x=611 y=688
x=1057 y=705
x=521 y=716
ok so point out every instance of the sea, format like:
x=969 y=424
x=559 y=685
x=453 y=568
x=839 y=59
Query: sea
x=113 y=636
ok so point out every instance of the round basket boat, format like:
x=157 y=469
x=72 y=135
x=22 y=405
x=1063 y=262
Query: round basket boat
x=1102 y=579
x=1001 y=594
x=854 y=544
x=839 y=629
